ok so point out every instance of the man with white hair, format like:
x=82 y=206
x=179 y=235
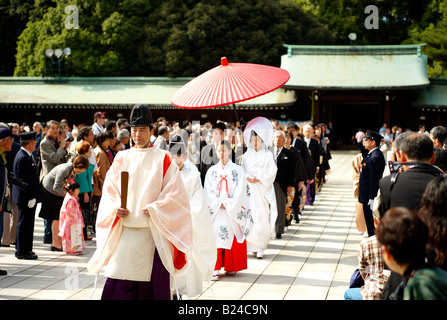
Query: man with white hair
x=162 y=140
x=37 y=126
x=123 y=136
x=285 y=178
x=313 y=147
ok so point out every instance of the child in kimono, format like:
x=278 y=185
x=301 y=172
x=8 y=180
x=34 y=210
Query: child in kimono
x=225 y=189
x=71 y=223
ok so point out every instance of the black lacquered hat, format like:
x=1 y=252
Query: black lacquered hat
x=140 y=116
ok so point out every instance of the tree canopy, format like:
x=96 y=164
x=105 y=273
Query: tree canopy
x=434 y=34
x=165 y=38
x=185 y=38
x=400 y=22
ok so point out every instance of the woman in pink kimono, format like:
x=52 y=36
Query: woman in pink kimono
x=71 y=223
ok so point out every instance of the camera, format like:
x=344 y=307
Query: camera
x=395 y=166
x=13 y=180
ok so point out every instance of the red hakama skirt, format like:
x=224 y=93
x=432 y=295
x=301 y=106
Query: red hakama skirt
x=232 y=260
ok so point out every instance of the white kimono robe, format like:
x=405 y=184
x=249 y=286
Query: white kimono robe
x=261 y=199
x=203 y=254
x=127 y=245
x=226 y=185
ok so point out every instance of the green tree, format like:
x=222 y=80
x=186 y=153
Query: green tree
x=185 y=38
x=166 y=38
x=14 y=15
x=103 y=45
x=434 y=35
x=345 y=16
x=193 y=35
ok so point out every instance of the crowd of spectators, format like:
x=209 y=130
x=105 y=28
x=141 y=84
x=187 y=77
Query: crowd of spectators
x=59 y=146
x=405 y=259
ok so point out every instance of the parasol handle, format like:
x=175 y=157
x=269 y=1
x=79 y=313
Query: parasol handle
x=124 y=187
x=238 y=124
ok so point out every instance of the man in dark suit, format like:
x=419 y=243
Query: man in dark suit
x=373 y=165
x=301 y=176
x=301 y=148
x=14 y=214
x=6 y=140
x=405 y=189
x=285 y=178
x=24 y=169
x=314 y=150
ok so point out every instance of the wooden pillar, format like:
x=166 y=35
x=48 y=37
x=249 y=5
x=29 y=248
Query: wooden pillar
x=315 y=107
x=386 y=111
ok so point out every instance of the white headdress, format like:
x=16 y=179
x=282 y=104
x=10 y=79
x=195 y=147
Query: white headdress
x=263 y=128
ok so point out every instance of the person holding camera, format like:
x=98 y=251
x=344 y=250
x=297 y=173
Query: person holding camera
x=53 y=151
x=405 y=189
x=26 y=195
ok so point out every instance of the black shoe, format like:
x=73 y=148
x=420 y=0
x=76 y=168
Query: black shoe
x=26 y=256
x=47 y=241
x=3 y=272
x=55 y=249
x=278 y=236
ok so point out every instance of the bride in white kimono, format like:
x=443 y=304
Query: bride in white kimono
x=202 y=258
x=225 y=191
x=260 y=169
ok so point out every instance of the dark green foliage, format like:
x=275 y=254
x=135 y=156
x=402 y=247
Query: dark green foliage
x=185 y=38
x=165 y=38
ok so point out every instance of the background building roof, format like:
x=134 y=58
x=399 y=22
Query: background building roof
x=433 y=96
x=355 y=67
x=110 y=91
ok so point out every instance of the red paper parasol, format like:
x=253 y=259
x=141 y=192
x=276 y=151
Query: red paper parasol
x=228 y=84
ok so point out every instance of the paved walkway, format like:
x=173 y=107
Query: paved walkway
x=313 y=261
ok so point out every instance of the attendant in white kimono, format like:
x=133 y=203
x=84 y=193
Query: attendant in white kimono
x=202 y=257
x=225 y=192
x=260 y=169
x=144 y=243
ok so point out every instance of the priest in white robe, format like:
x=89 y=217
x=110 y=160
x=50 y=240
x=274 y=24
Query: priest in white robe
x=225 y=189
x=146 y=242
x=260 y=169
x=202 y=257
